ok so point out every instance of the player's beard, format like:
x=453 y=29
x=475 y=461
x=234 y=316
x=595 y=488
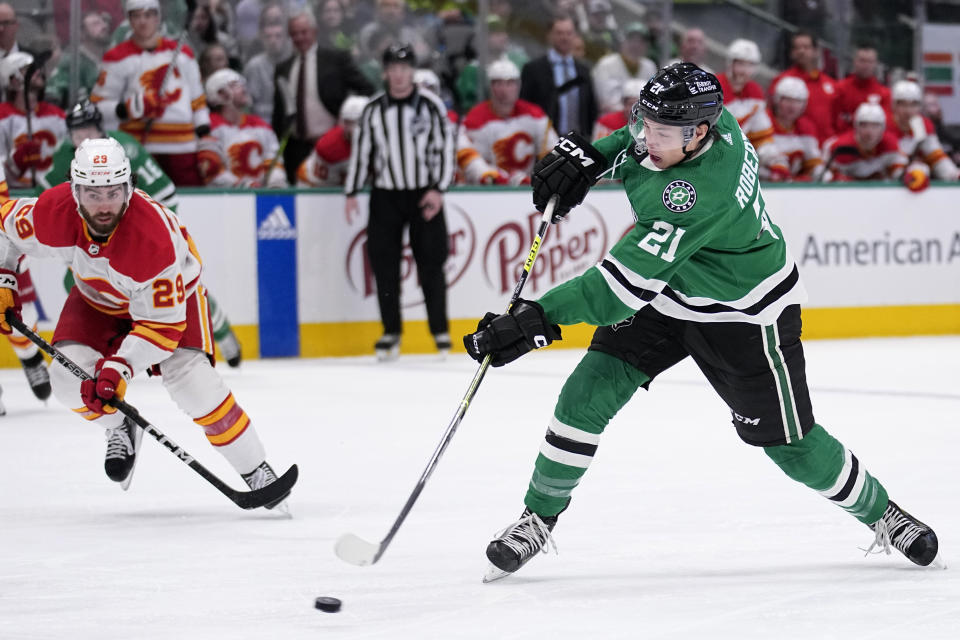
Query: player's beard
x=101 y=228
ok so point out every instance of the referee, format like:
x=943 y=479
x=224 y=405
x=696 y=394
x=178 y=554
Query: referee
x=404 y=145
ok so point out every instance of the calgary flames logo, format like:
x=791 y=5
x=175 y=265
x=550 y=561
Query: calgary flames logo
x=153 y=78
x=246 y=159
x=514 y=153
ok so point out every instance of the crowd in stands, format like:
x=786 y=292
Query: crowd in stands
x=266 y=93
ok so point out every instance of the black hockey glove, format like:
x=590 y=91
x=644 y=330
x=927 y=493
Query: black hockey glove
x=510 y=335
x=568 y=171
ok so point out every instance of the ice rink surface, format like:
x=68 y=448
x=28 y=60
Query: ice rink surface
x=678 y=530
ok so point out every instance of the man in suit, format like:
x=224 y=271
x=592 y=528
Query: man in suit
x=310 y=87
x=559 y=84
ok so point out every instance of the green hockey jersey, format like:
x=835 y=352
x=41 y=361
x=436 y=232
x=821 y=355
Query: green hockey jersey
x=703 y=248
x=150 y=177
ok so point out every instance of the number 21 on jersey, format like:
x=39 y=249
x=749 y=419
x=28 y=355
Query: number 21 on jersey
x=654 y=241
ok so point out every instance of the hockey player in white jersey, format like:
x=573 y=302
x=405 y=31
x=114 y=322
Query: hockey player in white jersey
x=916 y=134
x=328 y=163
x=745 y=100
x=149 y=87
x=504 y=136
x=138 y=305
x=241 y=148
x=27 y=141
x=794 y=135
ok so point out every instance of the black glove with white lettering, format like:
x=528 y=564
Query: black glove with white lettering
x=510 y=335
x=568 y=171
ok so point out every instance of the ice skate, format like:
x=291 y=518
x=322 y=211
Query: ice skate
x=37 y=375
x=909 y=536
x=230 y=349
x=121 y=456
x=261 y=477
x=388 y=347
x=3 y=409
x=518 y=544
x=442 y=340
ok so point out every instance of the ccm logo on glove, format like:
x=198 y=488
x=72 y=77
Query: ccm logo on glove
x=575 y=152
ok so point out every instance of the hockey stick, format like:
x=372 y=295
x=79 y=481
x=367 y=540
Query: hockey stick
x=163 y=83
x=353 y=549
x=243 y=499
x=38 y=62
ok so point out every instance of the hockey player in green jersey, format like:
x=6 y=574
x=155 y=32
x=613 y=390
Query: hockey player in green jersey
x=84 y=121
x=704 y=273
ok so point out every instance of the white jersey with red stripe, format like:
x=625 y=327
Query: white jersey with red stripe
x=328 y=163
x=920 y=142
x=799 y=145
x=127 y=70
x=511 y=144
x=245 y=151
x=749 y=107
x=146 y=271
x=48 y=127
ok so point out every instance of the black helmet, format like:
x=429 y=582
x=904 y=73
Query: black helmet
x=399 y=53
x=84 y=114
x=681 y=94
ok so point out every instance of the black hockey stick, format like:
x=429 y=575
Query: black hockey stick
x=355 y=550
x=37 y=65
x=243 y=499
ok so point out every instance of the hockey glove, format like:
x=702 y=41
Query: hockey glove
x=508 y=336
x=917 y=177
x=109 y=384
x=9 y=299
x=568 y=171
x=26 y=155
x=145 y=105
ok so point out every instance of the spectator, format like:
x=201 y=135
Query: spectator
x=821 y=88
x=212 y=59
x=372 y=68
x=503 y=136
x=744 y=99
x=428 y=80
x=95 y=32
x=916 y=134
x=867 y=152
x=174 y=17
x=309 y=89
x=693 y=48
x=933 y=110
x=251 y=18
x=9 y=25
x=560 y=85
x=241 y=150
x=499 y=47
x=327 y=164
x=794 y=135
x=333 y=27
x=110 y=10
x=166 y=112
x=613 y=120
x=631 y=62
x=859 y=87
x=26 y=155
x=390 y=16
x=600 y=37
x=261 y=68
x=407 y=190
x=202 y=33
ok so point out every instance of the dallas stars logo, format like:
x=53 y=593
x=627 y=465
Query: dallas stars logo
x=679 y=196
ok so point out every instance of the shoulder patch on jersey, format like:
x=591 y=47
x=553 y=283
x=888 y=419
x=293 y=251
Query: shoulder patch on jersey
x=679 y=196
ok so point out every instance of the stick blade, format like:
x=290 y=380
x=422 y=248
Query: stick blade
x=270 y=493
x=356 y=551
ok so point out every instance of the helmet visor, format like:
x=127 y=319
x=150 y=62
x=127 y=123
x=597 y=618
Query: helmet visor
x=658 y=139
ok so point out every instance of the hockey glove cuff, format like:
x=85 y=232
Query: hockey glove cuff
x=568 y=171
x=107 y=386
x=9 y=299
x=508 y=336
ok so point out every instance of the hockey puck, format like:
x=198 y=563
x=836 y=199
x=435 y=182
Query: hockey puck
x=330 y=605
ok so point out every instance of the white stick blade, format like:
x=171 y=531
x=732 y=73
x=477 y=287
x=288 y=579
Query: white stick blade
x=354 y=550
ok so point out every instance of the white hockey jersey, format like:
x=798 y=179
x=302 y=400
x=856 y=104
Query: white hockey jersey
x=920 y=142
x=243 y=152
x=749 y=107
x=328 y=163
x=146 y=271
x=127 y=70
x=511 y=145
x=798 y=145
x=49 y=127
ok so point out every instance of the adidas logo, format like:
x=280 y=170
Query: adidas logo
x=276 y=226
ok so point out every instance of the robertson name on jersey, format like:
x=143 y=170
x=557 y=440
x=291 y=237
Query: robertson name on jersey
x=703 y=247
x=146 y=271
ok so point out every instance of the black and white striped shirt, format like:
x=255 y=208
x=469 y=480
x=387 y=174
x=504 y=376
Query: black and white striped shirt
x=402 y=144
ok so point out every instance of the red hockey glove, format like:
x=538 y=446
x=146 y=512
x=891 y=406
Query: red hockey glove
x=108 y=385
x=27 y=154
x=494 y=176
x=9 y=299
x=145 y=105
x=917 y=177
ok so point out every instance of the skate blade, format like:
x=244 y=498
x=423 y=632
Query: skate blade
x=494 y=573
x=388 y=355
x=137 y=437
x=283 y=510
x=938 y=562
